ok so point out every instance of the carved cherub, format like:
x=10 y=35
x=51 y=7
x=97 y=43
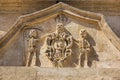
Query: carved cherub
x=84 y=47
x=32 y=48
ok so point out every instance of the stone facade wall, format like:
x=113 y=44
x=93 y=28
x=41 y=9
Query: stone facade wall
x=103 y=55
x=27 y=73
x=107 y=7
x=10 y=10
x=105 y=44
x=24 y=6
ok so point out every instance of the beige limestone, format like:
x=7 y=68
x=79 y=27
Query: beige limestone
x=57 y=47
x=103 y=61
x=84 y=47
x=32 y=48
x=36 y=73
x=2 y=33
x=105 y=44
x=10 y=10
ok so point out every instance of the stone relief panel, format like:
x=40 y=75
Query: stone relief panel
x=32 y=40
x=57 y=46
x=84 y=47
x=32 y=48
x=71 y=44
x=102 y=53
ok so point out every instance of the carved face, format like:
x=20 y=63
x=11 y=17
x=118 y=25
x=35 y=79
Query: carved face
x=33 y=33
x=59 y=28
x=83 y=33
x=59 y=45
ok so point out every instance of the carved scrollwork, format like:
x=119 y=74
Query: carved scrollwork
x=58 y=46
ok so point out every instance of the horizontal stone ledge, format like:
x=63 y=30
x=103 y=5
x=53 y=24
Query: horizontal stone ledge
x=38 y=73
x=17 y=73
x=52 y=71
x=112 y=72
x=60 y=72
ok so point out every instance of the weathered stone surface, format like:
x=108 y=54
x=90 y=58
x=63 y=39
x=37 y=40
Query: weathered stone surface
x=7 y=20
x=113 y=21
x=2 y=33
x=25 y=73
x=100 y=37
x=113 y=72
x=10 y=10
x=8 y=73
x=36 y=73
x=100 y=49
x=116 y=78
x=17 y=73
x=67 y=74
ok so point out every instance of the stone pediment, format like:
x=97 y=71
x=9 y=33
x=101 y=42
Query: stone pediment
x=105 y=44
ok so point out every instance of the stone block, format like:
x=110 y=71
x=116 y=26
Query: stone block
x=116 y=78
x=36 y=73
x=17 y=73
x=25 y=73
x=66 y=74
x=111 y=72
x=8 y=73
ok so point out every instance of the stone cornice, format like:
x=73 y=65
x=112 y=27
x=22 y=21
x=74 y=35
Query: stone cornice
x=86 y=16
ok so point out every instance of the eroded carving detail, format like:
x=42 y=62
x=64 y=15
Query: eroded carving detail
x=32 y=48
x=61 y=18
x=84 y=47
x=58 y=46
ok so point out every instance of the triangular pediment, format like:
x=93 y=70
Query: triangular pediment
x=61 y=8
x=72 y=18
